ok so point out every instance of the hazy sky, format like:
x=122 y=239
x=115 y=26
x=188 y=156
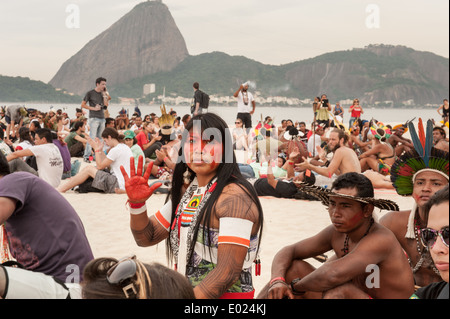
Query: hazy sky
x=37 y=36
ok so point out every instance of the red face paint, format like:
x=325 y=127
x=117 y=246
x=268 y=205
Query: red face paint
x=355 y=219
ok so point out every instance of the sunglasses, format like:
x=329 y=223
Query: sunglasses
x=121 y=273
x=429 y=236
x=237 y=122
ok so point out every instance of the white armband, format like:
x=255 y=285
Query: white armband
x=235 y=231
x=163 y=216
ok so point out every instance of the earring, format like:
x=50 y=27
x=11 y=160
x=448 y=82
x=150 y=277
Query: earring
x=187 y=177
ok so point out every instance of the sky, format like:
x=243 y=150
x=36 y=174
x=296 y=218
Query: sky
x=38 y=36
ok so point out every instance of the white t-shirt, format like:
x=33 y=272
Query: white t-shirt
x=49 y=163
x=242 y=108
x=120 y=155
x=311 y=149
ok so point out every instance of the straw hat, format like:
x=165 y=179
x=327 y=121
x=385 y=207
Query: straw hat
x=324 y=194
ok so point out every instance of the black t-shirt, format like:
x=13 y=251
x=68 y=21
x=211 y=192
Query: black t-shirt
x=282 y=190
x=165 y=139
x=198 y=98
x=437 y=290
x=93 y=98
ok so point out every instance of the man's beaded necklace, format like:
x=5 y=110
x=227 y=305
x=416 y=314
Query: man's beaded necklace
x=346 y=246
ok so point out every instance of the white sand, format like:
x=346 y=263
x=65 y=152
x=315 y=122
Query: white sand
x=106 y=221
x=286 y=221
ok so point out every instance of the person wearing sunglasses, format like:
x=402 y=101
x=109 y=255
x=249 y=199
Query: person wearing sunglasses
x=420 y=175
x=434 y=238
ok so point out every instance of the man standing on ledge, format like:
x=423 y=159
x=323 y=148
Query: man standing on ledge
x=245 y=101
x=95 y=101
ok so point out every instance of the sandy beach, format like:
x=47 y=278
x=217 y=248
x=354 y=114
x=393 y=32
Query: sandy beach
x=106 y=221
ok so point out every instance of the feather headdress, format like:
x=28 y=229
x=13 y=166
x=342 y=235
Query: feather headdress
x=166 y=121
x=423 y=158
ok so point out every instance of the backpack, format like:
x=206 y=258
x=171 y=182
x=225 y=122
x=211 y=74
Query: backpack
x=205 y=100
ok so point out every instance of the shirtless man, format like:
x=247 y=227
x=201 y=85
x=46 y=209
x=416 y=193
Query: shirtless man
x=358 y=145
x=344 y=159
x=399 y=143
x=440 y=139
x=368 y=261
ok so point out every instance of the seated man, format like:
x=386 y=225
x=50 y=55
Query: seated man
x=368 y=261
x=398 y=142
x=76 y=140
x=45 y=233
x=49 y=161
x=344 y=159
x=103 y=180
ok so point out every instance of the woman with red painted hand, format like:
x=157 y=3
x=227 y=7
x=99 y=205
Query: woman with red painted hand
x=212 y=220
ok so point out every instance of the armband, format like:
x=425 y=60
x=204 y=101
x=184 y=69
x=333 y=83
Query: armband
x=136 y=209
x=164 y=215
x=235 y=231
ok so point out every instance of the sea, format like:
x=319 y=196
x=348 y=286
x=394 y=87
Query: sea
x=278 y=113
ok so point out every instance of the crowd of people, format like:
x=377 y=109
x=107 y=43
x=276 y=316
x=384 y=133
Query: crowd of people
x=213 y=220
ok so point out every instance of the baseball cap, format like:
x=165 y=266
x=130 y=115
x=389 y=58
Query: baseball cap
x=129 y=134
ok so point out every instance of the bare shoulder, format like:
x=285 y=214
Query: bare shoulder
x=395 y=220
x=236 y=202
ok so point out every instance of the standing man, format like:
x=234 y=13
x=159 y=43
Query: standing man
x=196 y=107
x=14 y=115
x=245 y=100
x=96 y=101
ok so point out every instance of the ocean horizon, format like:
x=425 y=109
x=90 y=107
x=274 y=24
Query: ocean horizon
x=278 y=113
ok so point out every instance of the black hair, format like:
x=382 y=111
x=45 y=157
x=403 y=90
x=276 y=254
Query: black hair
x=100 y=80
x=45 y=133
x=77 y=125
x=4 y=165
x=109 y=120
x=309 y=179
x=441 y=196
x=196 y=85
x=227 y=173
x=361 y=183
x=441 y=130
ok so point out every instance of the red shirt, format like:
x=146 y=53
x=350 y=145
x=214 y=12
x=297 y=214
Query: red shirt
x=356 y=112
x=142 y=139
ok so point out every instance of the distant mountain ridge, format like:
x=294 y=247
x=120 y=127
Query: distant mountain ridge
x=145 y=46
x=378 y=74
x=144 y=41
x=20 y=89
